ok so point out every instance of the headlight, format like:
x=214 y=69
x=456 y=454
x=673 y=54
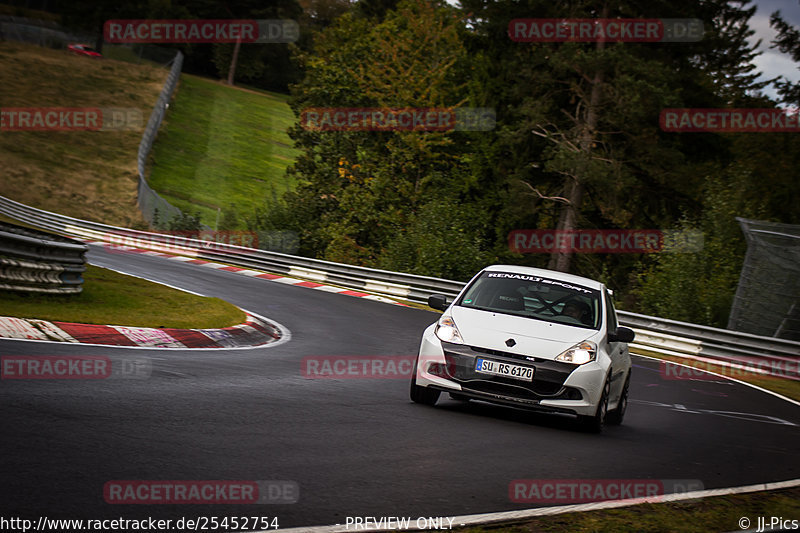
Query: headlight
x=579 y=354
x=447 y=331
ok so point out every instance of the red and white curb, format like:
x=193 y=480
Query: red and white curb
x=253 y=273
x=253 y=333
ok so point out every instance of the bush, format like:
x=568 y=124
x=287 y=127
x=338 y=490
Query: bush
x=699 y=287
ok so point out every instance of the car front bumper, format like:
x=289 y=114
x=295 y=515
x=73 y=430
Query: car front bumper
x=556 y=386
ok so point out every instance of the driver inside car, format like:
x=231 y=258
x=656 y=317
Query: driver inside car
x=577 y=310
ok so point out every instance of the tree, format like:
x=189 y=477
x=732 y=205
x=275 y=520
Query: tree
x=579 y=143
x=727 y=56
x=697 y=285
x=363 y=191
x=788 y=42
x=267 y=65
x=375 y=9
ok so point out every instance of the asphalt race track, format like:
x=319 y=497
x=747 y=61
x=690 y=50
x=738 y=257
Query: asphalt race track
x=355 y=447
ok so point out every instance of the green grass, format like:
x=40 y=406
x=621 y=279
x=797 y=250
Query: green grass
x=222 y=145
x=116 y=299
x=84 y=174
x=699 y=516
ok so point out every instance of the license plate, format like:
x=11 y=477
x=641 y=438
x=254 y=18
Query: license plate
x=496 y=368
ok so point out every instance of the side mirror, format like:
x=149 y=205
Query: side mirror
x=622 y=334
x=437 y=301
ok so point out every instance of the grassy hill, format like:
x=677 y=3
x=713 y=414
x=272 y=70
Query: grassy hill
x=221 y=146
x=89 y=175
x=86 y=174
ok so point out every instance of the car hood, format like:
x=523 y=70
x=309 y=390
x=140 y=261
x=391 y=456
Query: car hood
x=537 y=338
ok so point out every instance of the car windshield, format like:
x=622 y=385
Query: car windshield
x=535 y=297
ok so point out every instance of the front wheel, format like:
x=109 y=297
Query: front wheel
x=422 y=395
x=616 y=416
x=594 y=423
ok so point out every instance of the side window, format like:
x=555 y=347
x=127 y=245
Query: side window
x=611 y=313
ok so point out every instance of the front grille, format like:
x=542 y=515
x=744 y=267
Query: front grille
x=548 y=376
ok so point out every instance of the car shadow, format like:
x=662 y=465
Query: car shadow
x=558 y=421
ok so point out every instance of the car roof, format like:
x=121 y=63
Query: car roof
x=552 y=274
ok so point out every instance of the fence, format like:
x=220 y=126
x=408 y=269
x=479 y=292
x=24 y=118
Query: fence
x=154 y=208
x=767 y=300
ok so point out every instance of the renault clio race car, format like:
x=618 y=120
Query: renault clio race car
x=530 y=338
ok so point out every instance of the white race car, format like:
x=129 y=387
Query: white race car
x=531 y=338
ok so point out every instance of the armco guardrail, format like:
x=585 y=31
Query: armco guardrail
x=653 y=334
x=408 y=286
x=764 y=355
x=35 y=261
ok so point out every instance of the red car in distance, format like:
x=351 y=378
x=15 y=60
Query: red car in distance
x=84 y=50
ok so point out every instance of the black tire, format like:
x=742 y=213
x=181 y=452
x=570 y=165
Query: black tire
x=458 y=397
x=616 y=416
x=422 y=395
x=594 y=423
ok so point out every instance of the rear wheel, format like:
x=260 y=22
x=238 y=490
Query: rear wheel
x=616 y=416
x=422 y=395
x=594 y=423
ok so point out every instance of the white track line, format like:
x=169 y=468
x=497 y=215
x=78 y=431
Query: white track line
x=525 y=514
x=773 y=393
